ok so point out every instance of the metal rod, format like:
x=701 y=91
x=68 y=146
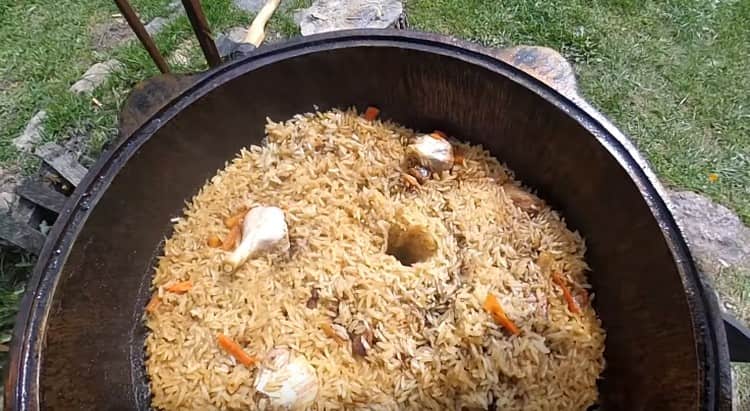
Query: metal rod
x=738 y=338
x=202 y=31
x=140 y=31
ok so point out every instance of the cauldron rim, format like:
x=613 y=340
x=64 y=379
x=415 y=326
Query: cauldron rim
x=22 y=374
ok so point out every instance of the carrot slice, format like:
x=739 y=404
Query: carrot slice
x=492 y=306
x=371 y=113
x=330 y=333
x=236 y=218
x=232 y=238
x=180 y=288
x=572 y=304
x=214 y=241
x=153 y=304
x=234 y=349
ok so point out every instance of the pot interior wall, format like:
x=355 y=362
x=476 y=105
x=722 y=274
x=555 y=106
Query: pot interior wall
x=93 y=357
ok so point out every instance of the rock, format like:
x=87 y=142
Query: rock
x=157 y=25
x=9 y=180
x=250 y=6
x=95 y=76
x=77 y=140
x=331 y=15
x=183 y=54
x=716 y=236
x=225 y=42
x=110 y=34
x=175 y=6
x=32 y=134
x=7 y=201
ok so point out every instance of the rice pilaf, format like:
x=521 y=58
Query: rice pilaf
x=431 y=342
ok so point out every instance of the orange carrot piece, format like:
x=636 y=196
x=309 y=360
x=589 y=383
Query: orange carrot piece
x=236 y=351
x=236 y=218
x=153 y=304
x=371 y=113
x=214 y=241
x=492 y=306
x=180 y=288
x=572 y=304
x=330 y=333
x=232 y=238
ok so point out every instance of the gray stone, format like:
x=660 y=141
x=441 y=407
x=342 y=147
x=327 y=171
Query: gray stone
x=95 y=76
x=9 y=180
x=182 y=55
x=157 y=25
x=7 y=201
x=331 y=15
x=32 y=134
x=110 y=34
x=175 y=6
x=225 y=43
x=250 y=6
x=716 y=236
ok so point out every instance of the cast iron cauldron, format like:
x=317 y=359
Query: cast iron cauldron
x=78 y=342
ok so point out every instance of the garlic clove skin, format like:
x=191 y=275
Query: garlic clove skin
x=264 y=230
x=287 y=380
x=431 y=151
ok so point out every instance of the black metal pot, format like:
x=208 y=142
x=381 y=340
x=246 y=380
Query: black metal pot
x=78 y=342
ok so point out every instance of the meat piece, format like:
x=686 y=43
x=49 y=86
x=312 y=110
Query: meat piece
x=362 y=343
x=359 y=345
x=313 y=301
x=431 y=151
x=410 y=182
x=524 y=200
x=264 y=230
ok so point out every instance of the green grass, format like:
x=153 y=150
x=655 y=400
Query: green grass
x=671 y=74
x=14 y=269
x=44 y=48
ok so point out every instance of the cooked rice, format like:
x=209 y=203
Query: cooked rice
x=337 y=178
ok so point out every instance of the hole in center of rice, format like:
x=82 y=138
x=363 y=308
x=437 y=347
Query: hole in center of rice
x=410 y=245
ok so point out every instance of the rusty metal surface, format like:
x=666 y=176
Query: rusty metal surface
x=543 y=63
x=150 y=96
x=140 y=31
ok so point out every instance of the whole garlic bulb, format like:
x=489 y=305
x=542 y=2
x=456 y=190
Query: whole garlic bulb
x=431 y=151
x=287 y=380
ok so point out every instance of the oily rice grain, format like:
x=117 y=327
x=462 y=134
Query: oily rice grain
x=338 y=179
